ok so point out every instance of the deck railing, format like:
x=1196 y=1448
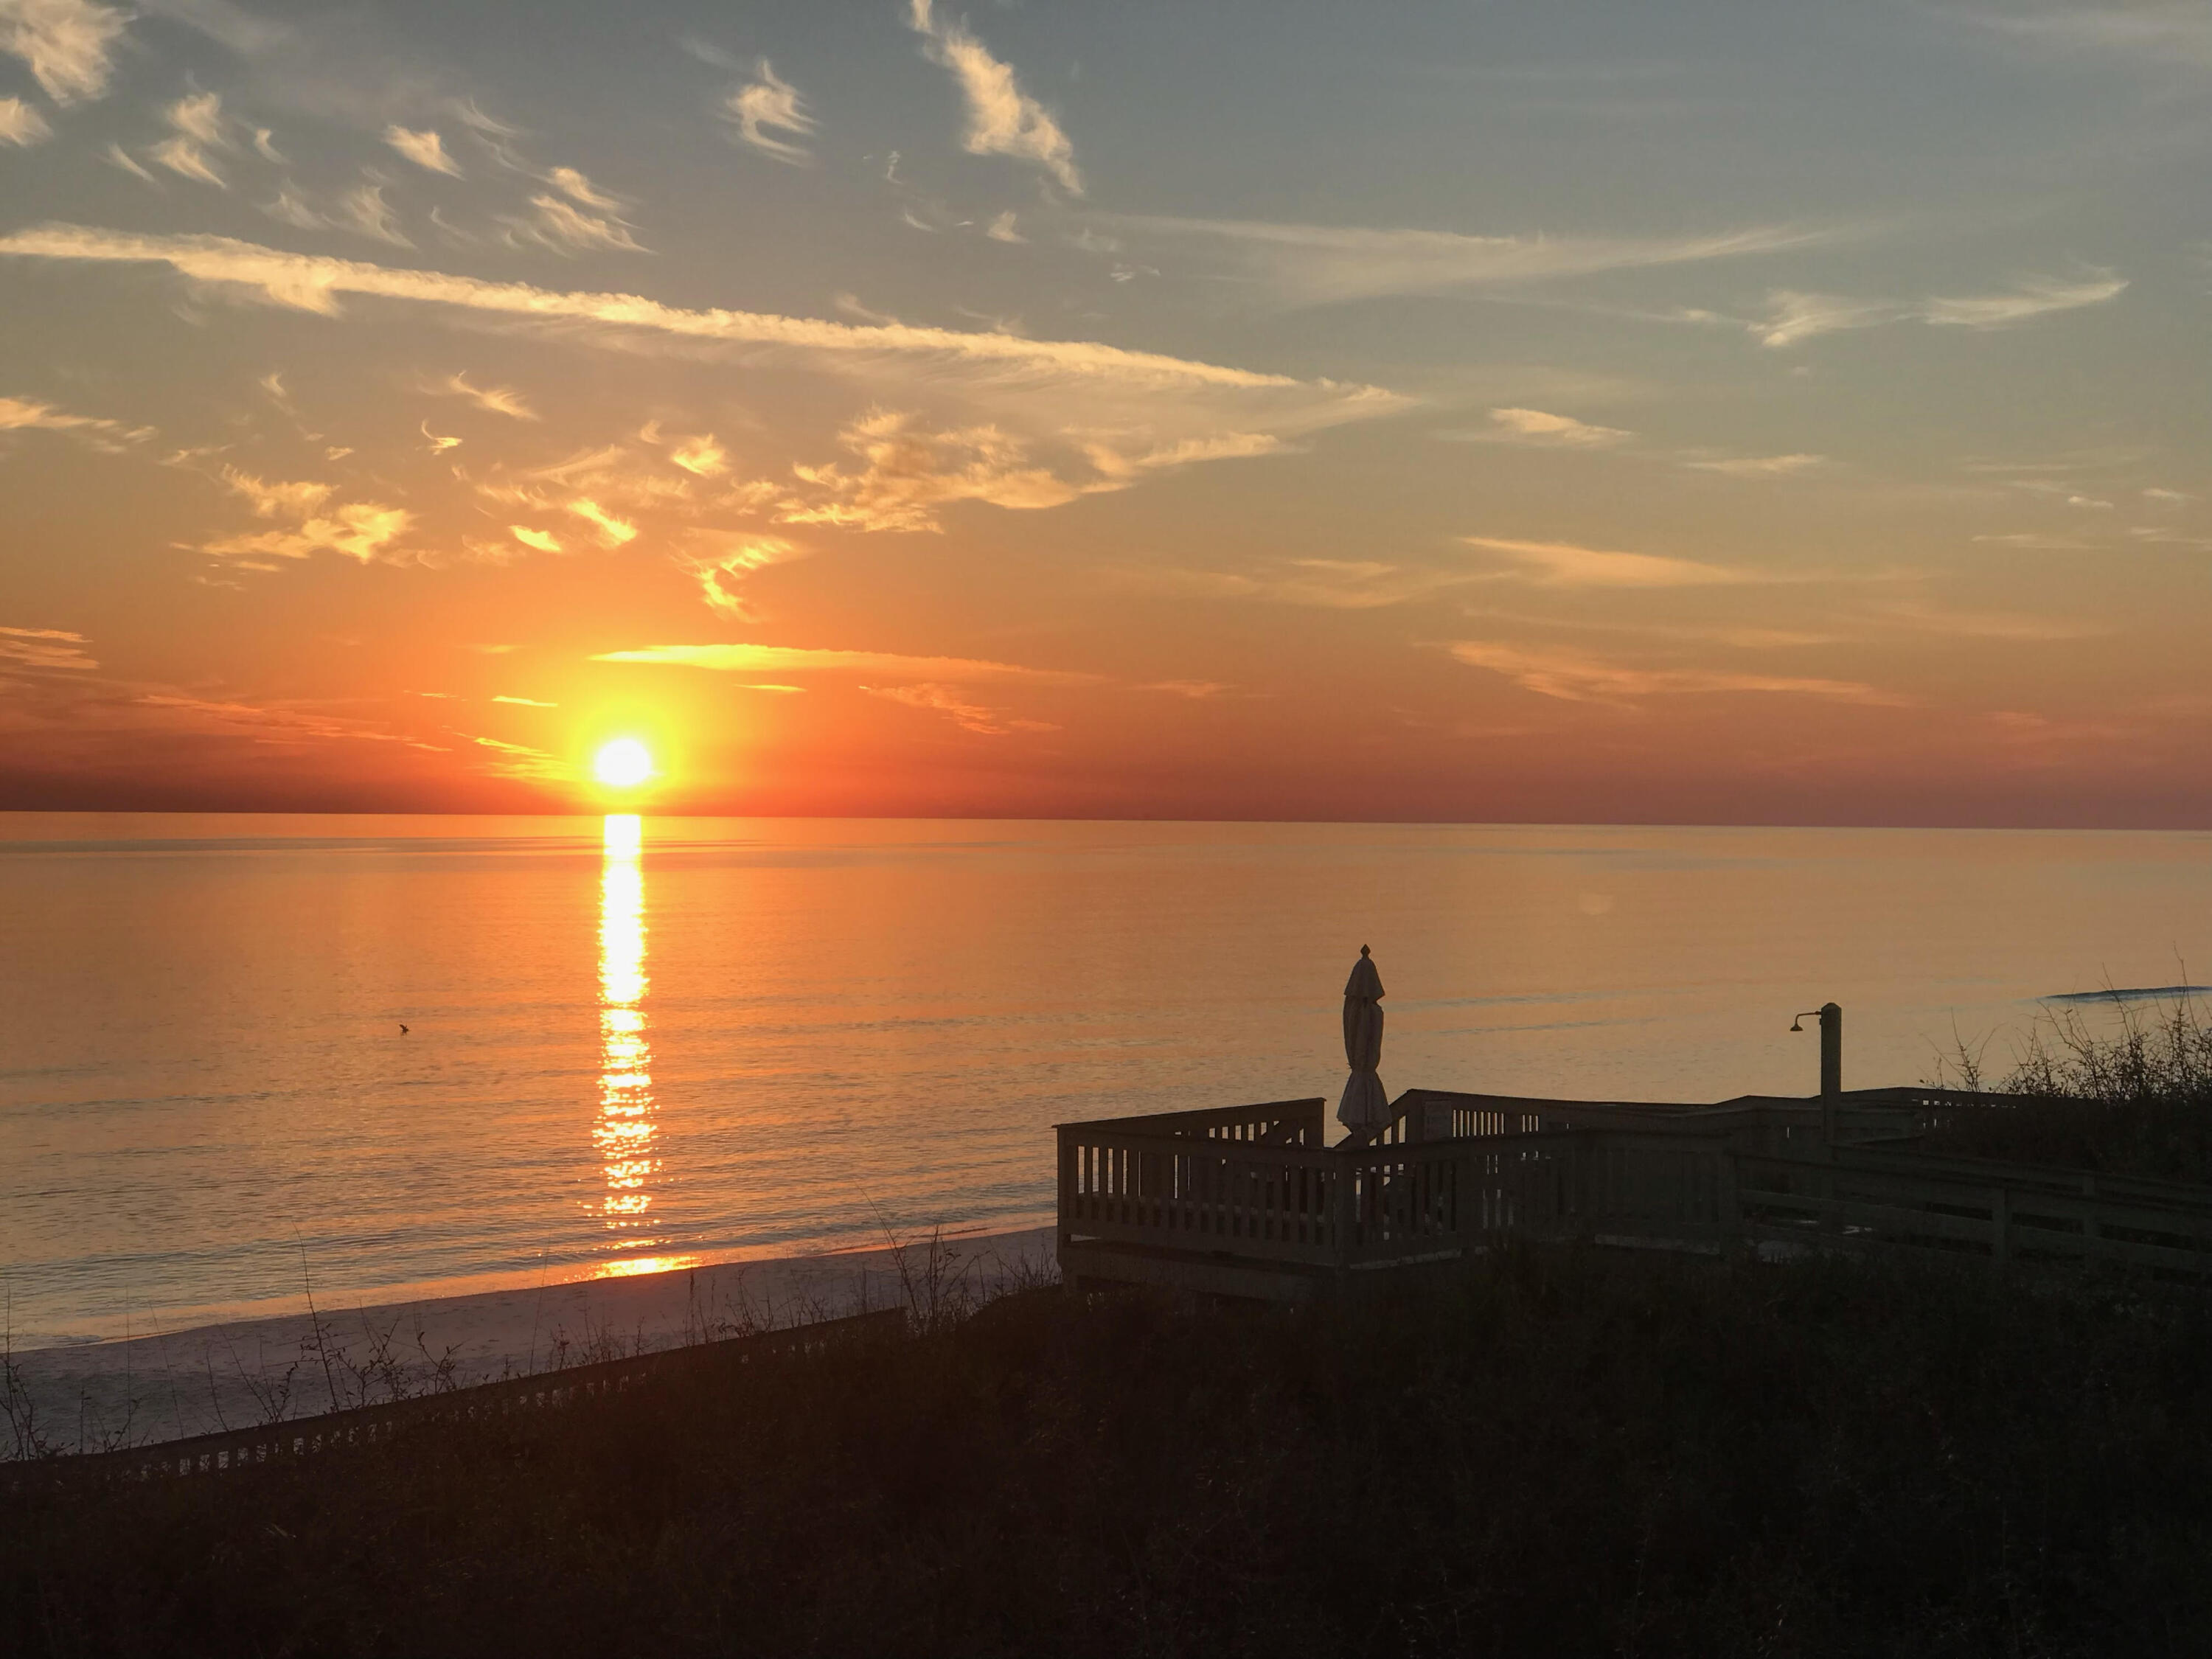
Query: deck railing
x=1258 y=1186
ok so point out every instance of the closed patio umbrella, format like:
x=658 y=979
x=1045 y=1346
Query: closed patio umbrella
x=1365 y=1108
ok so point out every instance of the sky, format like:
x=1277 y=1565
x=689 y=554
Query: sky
x=1543 y=412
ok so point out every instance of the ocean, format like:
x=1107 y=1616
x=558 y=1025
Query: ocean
x=638 y=1044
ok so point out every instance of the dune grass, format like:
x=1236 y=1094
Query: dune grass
x=1550 y=1452
x=2136 y=1101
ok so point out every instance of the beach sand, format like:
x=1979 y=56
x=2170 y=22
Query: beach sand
x=233 y=1376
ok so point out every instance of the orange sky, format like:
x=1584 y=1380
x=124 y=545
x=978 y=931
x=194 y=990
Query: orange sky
x=1067 y=410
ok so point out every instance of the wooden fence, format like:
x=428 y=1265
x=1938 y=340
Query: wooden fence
x=1174 y=1197
x=368 y=1426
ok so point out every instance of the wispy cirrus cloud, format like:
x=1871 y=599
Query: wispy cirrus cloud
x=1793 y=316
x=281 y=498
x=1755 y=466
x=1578 y=676
x=564 y=229
x=32 y=415
x=769 y=103
x=578 y=187
x=1563 y=564
x=610 y=529
x=908 y=473
x=2176 y=31
x=492 y=399
x=1537 y=426
x=187 y=161
x=1002 y=118
x=314 y=282
x=1317 y=265
x=68 y=44
x=968 y=716
x=722 y=569
x=425 y=149
x=21 y=125
x=199 y=127
x=364 y=211
x=363 y=530
x=795 y=660
x=44 y=649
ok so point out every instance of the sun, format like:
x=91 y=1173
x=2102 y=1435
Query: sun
x=622 y=764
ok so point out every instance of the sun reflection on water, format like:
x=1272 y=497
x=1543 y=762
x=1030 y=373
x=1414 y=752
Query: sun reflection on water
x=624 y=1133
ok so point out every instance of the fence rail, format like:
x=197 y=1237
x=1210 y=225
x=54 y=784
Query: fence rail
x=366 y=1425
x=1457 y=1172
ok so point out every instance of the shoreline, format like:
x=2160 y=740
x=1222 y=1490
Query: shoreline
x=174 y=1384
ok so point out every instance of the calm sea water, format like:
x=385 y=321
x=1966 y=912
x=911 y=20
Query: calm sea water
x=633 y=1046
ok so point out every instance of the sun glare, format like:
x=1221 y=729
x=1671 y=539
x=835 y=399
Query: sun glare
x=622 y=764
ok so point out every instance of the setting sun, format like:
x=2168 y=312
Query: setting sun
x=622 y=764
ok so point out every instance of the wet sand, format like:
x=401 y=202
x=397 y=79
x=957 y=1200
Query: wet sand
x=230 y=1376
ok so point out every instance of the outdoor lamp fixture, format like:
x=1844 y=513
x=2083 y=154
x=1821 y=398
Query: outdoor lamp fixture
x=1832 y=1062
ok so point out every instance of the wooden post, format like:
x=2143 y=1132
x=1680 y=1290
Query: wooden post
x=1831 y=1070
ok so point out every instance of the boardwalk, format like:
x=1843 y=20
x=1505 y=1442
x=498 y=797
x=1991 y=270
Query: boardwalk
x=1248 y=1201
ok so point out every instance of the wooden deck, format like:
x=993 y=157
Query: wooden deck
x=1249 y=1201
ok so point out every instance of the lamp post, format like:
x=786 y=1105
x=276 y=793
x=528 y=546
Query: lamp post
x=1832 y=1064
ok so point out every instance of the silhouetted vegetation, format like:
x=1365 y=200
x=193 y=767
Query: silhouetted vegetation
x=2136 y=1102
x=1550 y=1452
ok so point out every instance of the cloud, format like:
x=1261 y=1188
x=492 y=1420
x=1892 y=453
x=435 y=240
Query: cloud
x=793 y=659
x=294 y=209
x=1318 y=264
x=43 y=648
x=543 y=540
x=1322 y=583
x=68 y=44
x=116 y=156
x=1197 y=690
x=185 y=158
x=613 y=532
x=31 y=415
x=1001 y=229
x=1792 y=316
x=719 y=572
x=1563 y=564
x=438 y=442
x=199 y=118
x=312 y=282
x=770 y=101
x=574 y=186
x=701 y=456
x=1573 y=677
x=1002 y=118
x=425 y=149
x=1756 y=466
x=526 y=703
x=492 y=399
x=2163 y=33
x=968 y=716
x=568 y=230
x=910 y=473
x=1535 y=426
x=364 y=210
x=519 y=760
x=279 y=500
x=1117 y=462
x=21 y=125
x=362 y=530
